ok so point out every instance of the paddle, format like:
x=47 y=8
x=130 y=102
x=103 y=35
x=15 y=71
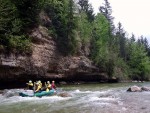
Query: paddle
x=34 y=88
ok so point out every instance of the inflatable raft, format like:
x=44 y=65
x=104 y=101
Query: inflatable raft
x=38 y=94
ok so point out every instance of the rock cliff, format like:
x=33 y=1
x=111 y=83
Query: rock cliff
x=46 y=62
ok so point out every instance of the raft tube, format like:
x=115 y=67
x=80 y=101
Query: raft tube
x=38 y=94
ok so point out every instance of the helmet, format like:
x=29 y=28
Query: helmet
x=30 y=81
x=48 y=82
x=39 y=81
x=53 y=81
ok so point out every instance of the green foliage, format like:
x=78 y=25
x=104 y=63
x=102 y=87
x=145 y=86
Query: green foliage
x=7 y=12
x=101 y=28
x=120 y=35
x=106 y=10
x=121 y=69
x=85 y=28
x=19 y=44
x=101 y=54
x=16 y=26
x=28 y=11
x=13 y=22
x=100 y=34
x=139 y=62
x=64 y=21
x=87 y=9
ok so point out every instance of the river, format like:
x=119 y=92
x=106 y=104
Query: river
x=85 y=98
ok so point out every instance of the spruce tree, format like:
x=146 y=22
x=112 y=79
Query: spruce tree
x=120 y=34
x=106 y=10
x=87 y=8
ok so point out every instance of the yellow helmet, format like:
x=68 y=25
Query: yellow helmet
x=37 y=83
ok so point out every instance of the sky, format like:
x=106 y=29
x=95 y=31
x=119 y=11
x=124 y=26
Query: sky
x=133 y=14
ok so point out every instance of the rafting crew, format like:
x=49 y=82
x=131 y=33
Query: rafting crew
x=37 y=86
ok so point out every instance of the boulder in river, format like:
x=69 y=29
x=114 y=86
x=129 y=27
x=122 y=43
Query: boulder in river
x=135 y=89
x=145 y=88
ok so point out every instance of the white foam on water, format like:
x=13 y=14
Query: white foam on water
x=104 y=99
x=88 y=91
x=101 y=104
x=120 y=102
x=94 y=98
x=77 y=91
x=124 y=109
x=17 y=99
x=108 y=99
x=54 y=98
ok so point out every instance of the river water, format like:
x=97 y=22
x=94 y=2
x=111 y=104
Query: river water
x=84 y=98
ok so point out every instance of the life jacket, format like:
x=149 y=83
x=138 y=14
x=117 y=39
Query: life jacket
x=38 y=88
x=40 y=84
x=53 y=86
x=30 y=85
x=49 y=86
x=47 y=90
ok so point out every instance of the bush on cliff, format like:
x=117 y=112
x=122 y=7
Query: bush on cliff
x=16 y=17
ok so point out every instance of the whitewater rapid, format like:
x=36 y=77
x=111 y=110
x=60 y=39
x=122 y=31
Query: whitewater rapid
x=83 y=99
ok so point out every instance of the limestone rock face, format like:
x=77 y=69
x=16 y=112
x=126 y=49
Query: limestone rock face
x=45 y=62
x=30 y=66
x=78 y=64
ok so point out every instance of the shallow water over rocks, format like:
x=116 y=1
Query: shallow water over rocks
x=85 y=98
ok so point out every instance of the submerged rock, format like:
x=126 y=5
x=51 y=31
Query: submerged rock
x=64 y=94
x=145 y=88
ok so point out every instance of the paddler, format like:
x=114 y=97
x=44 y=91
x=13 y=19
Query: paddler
x=38 y=87
x=53 y=86
x=30 y=85
x=40 y=83
x=48 y=86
